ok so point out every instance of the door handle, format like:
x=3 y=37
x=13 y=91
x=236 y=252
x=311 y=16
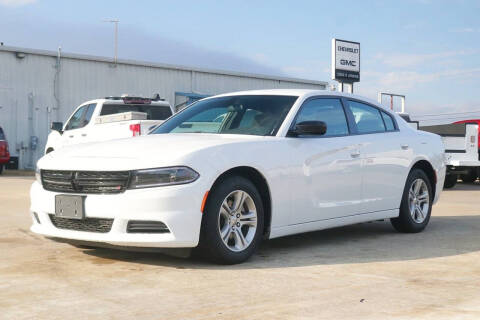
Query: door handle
x=355 y=154
x=84 y=134
x=404 y=146
x=70 y=136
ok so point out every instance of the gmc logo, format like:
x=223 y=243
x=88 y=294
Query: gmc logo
x=351 y=63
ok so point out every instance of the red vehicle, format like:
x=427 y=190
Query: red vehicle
x=4 y=154
x=474 y=172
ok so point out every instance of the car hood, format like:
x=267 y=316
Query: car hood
x=150 y=151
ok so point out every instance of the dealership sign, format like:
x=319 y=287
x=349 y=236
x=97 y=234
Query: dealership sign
x=345 y=61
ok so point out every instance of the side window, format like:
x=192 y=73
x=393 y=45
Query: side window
x=367 y=118
x=76 y=120
x=389 y=124
x=157 y=112
x=88 y=114
x=327 y=110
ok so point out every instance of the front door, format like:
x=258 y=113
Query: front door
x=75 y=131
x=326 y=173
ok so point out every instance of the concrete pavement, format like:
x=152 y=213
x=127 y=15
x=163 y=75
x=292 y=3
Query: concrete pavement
x=365 y=271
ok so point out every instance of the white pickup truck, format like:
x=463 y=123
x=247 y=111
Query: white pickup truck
x=107 y=119
x=462 y=146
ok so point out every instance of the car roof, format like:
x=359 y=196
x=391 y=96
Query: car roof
x=279 y=92
x=304 y=93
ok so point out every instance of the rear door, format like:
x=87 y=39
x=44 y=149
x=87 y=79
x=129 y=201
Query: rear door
x=385 y=156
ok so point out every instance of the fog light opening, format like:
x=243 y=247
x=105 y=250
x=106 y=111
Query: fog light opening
x=140 y=226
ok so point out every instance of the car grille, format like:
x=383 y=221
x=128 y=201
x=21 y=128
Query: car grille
x=97 y=182
x=89 y=224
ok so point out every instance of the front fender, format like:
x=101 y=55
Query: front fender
x=53 y=141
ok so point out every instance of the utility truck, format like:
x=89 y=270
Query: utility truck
x=461 y=140
x=107 y=119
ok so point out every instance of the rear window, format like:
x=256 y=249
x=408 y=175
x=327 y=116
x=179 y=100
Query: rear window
x=154 y=112
x=388 y=122
x=2 y=136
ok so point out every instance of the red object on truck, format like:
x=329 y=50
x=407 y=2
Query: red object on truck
x=476 y=121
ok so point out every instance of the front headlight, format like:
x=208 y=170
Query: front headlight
x=38 y=176
x=148 y=178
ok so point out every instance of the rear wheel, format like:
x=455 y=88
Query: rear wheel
x=1 y=168
x=416 y=205
x=470 y=177
x=450 y=181
x=232 y=225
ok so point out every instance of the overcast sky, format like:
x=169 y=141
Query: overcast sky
x=427 y=50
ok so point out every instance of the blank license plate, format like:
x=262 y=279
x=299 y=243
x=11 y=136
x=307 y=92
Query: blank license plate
x=70 y=207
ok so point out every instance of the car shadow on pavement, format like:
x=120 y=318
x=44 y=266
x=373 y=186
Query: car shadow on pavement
x=465 y=186
x=362 y=243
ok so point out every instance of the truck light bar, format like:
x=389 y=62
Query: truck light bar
x=135 y=99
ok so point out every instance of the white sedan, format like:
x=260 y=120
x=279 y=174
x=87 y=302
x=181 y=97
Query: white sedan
x=237 y=168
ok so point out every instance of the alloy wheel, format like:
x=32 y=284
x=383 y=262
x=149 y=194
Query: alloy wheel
x=237 y=221
x=418 y=200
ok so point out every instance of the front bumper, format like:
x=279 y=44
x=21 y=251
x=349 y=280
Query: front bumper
x=178 y=207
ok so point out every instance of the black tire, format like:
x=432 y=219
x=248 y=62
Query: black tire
x=405 y=222
x=211 y=244
x=450 y=181
x=1 y=168
x=470 y=177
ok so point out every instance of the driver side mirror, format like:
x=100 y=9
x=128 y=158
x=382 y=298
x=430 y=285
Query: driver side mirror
x=317 y=128
x=57 y=126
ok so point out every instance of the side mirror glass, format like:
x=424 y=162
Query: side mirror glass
x=309 y=128
x=57 y=126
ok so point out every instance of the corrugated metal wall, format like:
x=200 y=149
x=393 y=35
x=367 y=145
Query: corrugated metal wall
x=35 y=92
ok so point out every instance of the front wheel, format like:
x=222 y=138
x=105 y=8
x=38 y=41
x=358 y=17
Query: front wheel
x=416 y=205
x=232 y=225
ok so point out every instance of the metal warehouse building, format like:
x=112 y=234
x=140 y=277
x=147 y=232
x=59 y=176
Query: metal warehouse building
x=38 y=87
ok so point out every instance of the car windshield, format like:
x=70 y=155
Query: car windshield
x=259 y=115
